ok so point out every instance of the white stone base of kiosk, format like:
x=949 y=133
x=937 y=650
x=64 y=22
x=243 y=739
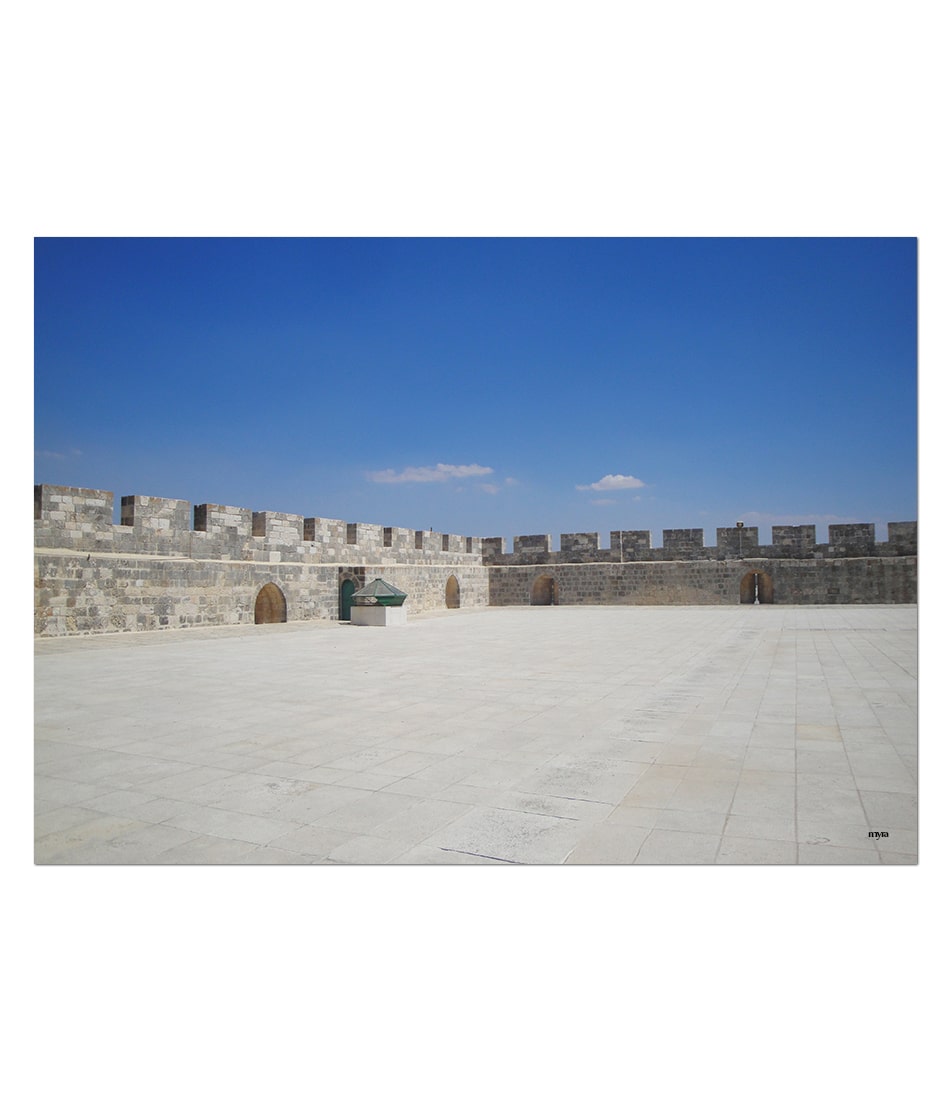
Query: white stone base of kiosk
x=378 y=615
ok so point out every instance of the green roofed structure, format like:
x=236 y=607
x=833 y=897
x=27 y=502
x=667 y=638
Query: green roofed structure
x=380 y=592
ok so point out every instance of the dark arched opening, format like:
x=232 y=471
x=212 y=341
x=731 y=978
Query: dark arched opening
x=347 y=588
x=544 y=592
x=756 y=587
x=453 y=597
x=270 y=606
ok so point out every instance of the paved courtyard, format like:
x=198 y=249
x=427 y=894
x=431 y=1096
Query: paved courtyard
x=543 y=735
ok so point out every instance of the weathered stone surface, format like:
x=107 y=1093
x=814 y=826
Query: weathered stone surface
x=154 y=571
x=881 y=580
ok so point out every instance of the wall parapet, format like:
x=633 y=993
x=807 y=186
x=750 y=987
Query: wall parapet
x=845 y=540
x=82 y=519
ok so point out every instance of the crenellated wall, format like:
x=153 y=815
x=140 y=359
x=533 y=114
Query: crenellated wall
x=845 y=540
x=168 y=565
x=850 y=568
x=81 y=519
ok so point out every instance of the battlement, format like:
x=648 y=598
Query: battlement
x=845 y=540
x=168 y=564
x=82 y=520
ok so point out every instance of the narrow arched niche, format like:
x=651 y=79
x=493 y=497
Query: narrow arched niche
x=453 y=596
x=270 y=606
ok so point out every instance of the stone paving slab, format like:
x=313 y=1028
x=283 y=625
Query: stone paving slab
x=571 y=735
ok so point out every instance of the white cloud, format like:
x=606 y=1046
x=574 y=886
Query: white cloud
x=440 y=472
x=610 y=482
x=56 y=454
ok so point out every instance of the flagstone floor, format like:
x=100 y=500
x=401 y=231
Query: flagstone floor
x=543 y=735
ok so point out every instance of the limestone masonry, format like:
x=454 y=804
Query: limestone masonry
x=168 y=565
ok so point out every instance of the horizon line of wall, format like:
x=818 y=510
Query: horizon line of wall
x=80 y=514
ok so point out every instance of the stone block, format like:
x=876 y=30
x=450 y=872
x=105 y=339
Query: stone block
x=532 y=544
x=736 y=542
x=688 y=540
x=630 y=545
x=278 y=526
x=156 y=514
x=223 y=519
x=851 y=539
x=379 y=615
x=902 y=538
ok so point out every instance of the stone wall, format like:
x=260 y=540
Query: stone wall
x=817 y=581
x=154 y=570
x=96 y=593
x=166 y=565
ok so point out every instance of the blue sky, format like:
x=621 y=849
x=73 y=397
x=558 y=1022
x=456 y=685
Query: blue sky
x=486 y=386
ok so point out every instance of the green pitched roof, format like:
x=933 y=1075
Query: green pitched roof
x=382 y=592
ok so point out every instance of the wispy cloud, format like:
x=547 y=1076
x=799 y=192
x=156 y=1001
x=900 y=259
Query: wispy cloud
x=57 y=454
x=611 y=482
x=440 y=472
x=492 y=488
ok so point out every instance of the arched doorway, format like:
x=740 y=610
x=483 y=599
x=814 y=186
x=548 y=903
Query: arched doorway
x=453 y=597
x=270 y=605
x=756 y=587
x=544 y=592
x=347 y=588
